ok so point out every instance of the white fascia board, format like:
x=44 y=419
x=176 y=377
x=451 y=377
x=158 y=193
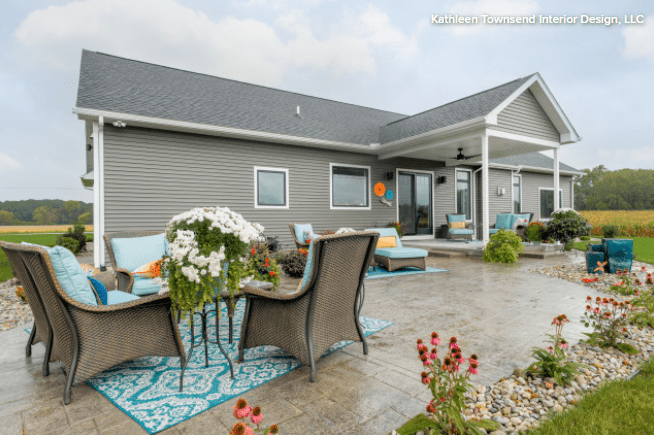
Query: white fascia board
x=549 y=104
x=529 y=168
x=215 y=130
x=403 y=146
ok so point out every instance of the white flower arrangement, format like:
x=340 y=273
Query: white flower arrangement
x=201 y=242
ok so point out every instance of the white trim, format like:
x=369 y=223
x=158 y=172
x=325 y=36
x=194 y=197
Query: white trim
x=98 y=192
x=331 y=184
x=215 y=130
x=548 y=103
x=557 y=178
x=485 y=203
x=540 y=218
x=512 y=193
x=433 y=203
x=472 y=200
x=529 y=168
x=522 y=138
x=256 y=188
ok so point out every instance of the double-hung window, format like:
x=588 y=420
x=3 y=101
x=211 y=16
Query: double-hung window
x=349 y=187
x=270 y=187
x=547 y=202
x=463 y=192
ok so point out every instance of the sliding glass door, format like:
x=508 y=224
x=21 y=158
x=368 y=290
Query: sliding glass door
x=414 y=201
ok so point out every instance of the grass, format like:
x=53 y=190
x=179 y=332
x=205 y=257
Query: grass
x=38 y=239
x=643 y=248
x=617 y=407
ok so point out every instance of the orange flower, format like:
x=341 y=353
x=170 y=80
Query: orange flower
x=272 y=273
x=380 y=189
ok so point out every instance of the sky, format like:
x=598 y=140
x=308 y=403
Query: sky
x=383 y=54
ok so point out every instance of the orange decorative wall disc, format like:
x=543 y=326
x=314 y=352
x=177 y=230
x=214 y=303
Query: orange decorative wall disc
x=380 y=189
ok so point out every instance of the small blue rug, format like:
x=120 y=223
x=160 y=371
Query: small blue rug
x=147 y=389
x=380 y=272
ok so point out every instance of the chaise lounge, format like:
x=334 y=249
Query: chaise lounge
x=392 y=255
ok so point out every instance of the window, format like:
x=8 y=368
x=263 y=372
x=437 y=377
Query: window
x=270 y=187
x=547 y=202
x=463 y=196
x=517 y=194
x=350 y=186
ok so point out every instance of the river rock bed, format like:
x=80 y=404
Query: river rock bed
x=14 y=311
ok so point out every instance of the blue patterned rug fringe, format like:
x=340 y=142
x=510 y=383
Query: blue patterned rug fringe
x=380 y=272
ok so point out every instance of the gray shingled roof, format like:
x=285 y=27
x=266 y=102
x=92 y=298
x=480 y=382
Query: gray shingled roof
x=536 y=160
x=467 y=108
x=127 y=86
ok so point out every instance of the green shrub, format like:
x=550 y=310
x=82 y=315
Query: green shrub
x=566 y=226
x=77 y=233
x=68 y=243
x=534 y=232
x=610 y=231
x=584 y=238
x=293 y=264
x=503 y=247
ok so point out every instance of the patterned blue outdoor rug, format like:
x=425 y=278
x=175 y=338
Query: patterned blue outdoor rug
x=147 y=389
x=380 y=272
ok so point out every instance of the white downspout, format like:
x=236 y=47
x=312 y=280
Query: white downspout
x=98 y=192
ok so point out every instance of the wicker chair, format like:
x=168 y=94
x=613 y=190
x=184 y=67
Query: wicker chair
x=122 y=275
x=89 y=339
x=323 y=311
x=300 y=245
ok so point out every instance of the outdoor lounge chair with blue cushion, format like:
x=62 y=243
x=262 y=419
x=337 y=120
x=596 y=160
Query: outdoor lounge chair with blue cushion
x=458 y=233
x=508 y=220
x=129 y=250
x=393 y=258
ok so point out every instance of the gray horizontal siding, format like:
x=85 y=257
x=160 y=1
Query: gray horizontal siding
x=496 y=203
x=531 y=181
x=526 y=117
x=151 y=175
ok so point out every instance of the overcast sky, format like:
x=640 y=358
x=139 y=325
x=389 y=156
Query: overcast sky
x=382 y=54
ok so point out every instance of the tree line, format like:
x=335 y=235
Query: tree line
x=45 y=212
x=624 y=189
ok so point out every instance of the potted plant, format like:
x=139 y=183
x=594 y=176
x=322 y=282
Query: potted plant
x=207 y=248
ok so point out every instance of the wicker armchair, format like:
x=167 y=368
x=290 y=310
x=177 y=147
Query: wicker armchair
x=323 y=311
x=89 y=339
x=123 y=276
x=299 y=244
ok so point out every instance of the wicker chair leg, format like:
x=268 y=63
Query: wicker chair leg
x=244 y=330
x=30 y=341
x=360 y=332
x=310 y=347
x=182 y=364
x=45 y=370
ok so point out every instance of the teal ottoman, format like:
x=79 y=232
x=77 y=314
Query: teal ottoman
x=619 y=253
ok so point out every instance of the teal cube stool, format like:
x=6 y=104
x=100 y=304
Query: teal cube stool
x=596 y=248
x=619 y=253
x=591 y=260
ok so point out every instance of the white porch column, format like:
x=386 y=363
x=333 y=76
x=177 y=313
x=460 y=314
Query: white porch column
x=556 y=179
x=98 y=192
x=485 y=216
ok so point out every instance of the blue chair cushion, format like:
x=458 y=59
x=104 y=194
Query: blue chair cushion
x=504 y=220
x=387 y=232
x=71 y=276
x=460 y=231
x=118 y=297
x=309 y=266
x=144 y=286
x=100 y=290
x=300 y=229
x=456 y=218
x=401 y=252
x=134 y=252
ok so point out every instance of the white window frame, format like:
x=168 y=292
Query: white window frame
x=256 y=188
x=331 y=187
x=540 y=218
x=456 y=181
x=433 y=204
x=512 y=194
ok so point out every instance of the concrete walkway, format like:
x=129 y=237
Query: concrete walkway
x=496 y=311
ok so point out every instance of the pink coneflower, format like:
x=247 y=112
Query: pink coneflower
x=550 y=349
x=241 y=429
x=274 y=429
x=563 y=344
x=442 y=399
x=473 y=359
x=426 y=380
x=433 y=354
x=434 y=339
x=596 y=310
x=256 y=416
x=242 y=409
x=473 y=369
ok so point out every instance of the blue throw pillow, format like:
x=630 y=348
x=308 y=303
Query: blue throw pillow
x=309 y=266
x=100 y=290
x=71 y=276
x=503 y=220
x=133 y=252
x=300 y=229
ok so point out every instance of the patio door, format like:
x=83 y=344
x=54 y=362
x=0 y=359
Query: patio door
x=414 y=202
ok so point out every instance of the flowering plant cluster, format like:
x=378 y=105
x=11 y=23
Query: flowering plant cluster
x=262 y=263
x=552 y=362
x=448 y=382
x=241 y=411
x=608 y=318
x=201 y=242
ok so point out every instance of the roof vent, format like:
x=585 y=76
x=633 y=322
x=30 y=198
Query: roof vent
x=298 y=113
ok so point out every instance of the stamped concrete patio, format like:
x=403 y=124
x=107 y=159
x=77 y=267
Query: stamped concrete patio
x=497 y=311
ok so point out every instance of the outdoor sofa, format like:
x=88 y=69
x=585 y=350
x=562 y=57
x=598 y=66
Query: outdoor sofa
x=392 y=255
x=516 y=222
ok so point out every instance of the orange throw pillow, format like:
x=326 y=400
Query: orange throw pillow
x=386 y=242
x=150 y=270
x=457 y=225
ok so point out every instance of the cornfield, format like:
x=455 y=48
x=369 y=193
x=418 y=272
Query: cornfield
x=16 y=229
x=632 y=223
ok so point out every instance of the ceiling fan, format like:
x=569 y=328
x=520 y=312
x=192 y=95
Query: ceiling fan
x=461 y=156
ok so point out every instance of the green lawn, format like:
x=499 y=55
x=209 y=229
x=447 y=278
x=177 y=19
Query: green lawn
x=643 y=248
x=617 y=407
x=38 y=239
